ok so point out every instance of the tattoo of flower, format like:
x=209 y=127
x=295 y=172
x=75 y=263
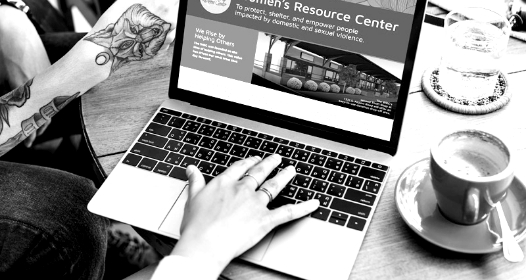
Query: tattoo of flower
x=17 y=97
x=137 y=35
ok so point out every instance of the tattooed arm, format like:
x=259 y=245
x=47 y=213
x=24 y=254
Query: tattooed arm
x=126 y=33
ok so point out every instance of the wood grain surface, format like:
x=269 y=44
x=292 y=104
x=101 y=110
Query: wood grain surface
x=116 y=111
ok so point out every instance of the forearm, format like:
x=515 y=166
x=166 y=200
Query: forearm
x=126 y=33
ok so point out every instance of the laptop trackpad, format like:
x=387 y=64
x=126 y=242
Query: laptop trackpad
x=172 y=222
x=257 y=252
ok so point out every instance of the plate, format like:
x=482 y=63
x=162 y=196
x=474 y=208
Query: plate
x=416 y=202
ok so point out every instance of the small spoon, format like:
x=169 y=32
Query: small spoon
x=510 y=247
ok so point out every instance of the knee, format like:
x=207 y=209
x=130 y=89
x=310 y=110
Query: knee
x=55 y=202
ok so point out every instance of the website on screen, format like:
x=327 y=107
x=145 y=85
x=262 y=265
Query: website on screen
x=333 y=62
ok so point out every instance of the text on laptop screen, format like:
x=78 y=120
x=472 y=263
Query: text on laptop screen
x=333 y=62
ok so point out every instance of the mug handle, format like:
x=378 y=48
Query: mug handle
x=471 y=206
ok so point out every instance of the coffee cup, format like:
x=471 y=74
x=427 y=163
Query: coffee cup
x=470 y=172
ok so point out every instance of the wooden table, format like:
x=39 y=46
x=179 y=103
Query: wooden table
x=115 y=111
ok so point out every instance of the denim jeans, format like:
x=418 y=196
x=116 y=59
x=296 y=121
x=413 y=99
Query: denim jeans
x=46 y=231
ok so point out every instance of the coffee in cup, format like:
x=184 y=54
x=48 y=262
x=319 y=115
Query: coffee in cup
x=470 y=172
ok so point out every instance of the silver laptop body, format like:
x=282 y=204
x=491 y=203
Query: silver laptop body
x=309 y=248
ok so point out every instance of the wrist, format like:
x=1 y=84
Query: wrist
x=200 y=250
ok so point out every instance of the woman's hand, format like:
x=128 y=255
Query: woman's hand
x=228 y=216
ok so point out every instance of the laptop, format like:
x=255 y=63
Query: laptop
x=322 y=83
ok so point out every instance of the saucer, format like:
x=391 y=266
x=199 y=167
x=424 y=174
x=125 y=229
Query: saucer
x=416 y=202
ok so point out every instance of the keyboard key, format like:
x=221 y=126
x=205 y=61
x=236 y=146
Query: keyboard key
x=219 y=124
x=337 y=177
x=301 y=181
x=313 y=149
x=200 y=119
x=317 y=159
x=249 y=132
x=350 y=207
x=325 y=200
x=319 y=185
x=174 y=146
x=234 y=128
x=178 y=173
x=223 y=147
x=153 y=140
x=177 y=134
x=222 y=134
x=329 y=153
x=320 y=172
x=304 y=194
x=356 y=223
x=207 y=178
x=253 y=142
x=269 y=147
x=286 y=162
x=192 y=138
x=189 y=150
x=188 y=116
x=346 y=157
x=280 y=140
x=174 y=158
x=161 y=118
x=359 y=196
x=285 y=151
x=171 y=112
x=232 y=160
x=336 y=190
x=176 y=122
x=354 y=182
x=280 y=201
x=207 y=142
x=149 y=151
x=253 y=153
x=296 y=145
x=289 y=191
x=336 y=221
x=220 y=158
x=350 y=168
x=264 y=136
x=147 y=164
x=303 y=168
x=339 y=216
x=189 y=161
x=373 y=174
x=334 y=164
x=301 y=155
x=371 y=186
x=206 y=121
x=206 y=130
x=321 y=213
x=204 y=154
x=239 y=151
x=191 y=126
x=206 y=167
x=237 y=138
x=379 y=166
x=362 y=161
x=163 y=168
x=218 y=170
x=158 y=129
x=132 y=159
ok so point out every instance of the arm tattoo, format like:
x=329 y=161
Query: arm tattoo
x=18 y=98
x=38 y=119
x=137 y=35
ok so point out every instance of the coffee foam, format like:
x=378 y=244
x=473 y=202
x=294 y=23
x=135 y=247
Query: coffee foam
x=473 y=154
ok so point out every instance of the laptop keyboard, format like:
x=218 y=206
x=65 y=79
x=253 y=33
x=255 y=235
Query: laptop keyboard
x=346 y=186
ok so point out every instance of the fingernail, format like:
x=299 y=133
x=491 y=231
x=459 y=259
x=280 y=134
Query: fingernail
x=257 y=157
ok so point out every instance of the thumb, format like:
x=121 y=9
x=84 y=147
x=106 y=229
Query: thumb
x=291 y=212
x=195 y=180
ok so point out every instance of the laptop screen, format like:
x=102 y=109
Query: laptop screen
x=337 y=63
